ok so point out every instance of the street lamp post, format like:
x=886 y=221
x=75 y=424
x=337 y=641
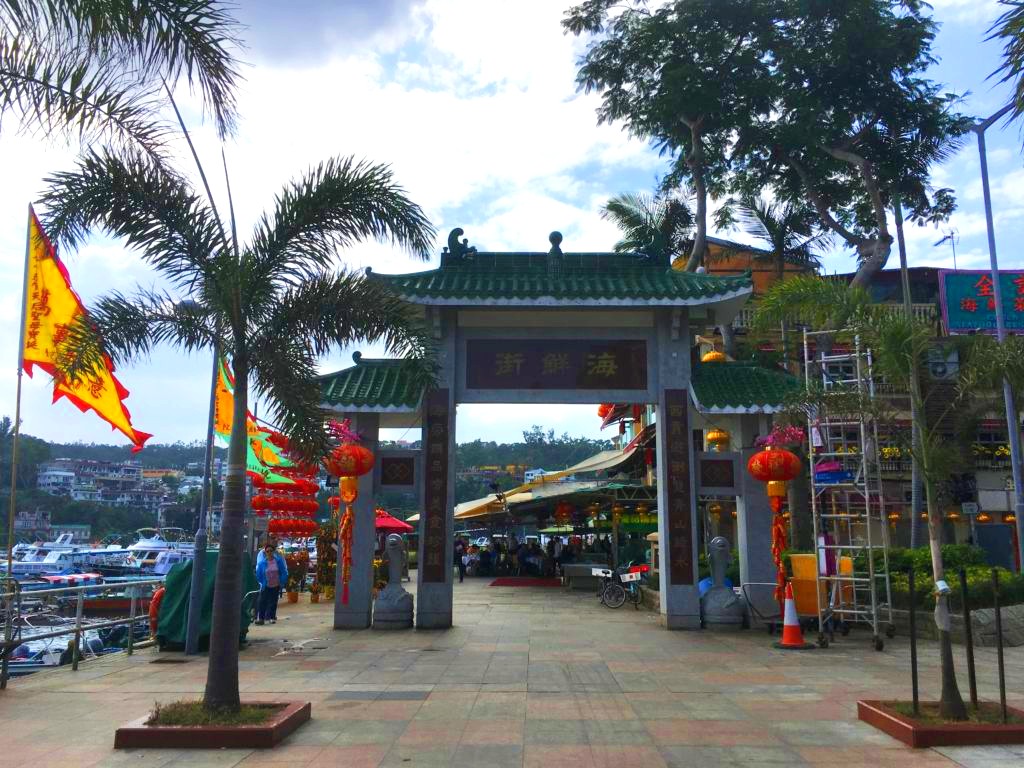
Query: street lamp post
x=1012 y=425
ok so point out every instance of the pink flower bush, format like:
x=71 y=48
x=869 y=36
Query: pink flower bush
x=781 y=436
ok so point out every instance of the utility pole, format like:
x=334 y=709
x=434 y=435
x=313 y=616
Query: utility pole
x=1012 y=425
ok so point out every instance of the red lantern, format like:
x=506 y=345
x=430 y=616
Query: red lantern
x=350 y=460
x=333 y=502
x=563 y=512
x=604 y=409
x=774 y=464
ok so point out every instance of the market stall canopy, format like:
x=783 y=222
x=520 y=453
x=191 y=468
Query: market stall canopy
x=388 y=523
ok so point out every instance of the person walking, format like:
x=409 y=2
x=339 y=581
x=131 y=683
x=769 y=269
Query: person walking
x=460 y=558
x=271 y=575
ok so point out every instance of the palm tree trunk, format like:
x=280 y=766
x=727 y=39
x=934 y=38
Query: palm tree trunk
x=222 y=673
x=951 y=703
x=728 y=339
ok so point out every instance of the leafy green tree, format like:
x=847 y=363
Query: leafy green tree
x=274 y=304
x=31 y=453
x=94 y=68
x=686 y=75
x=786 y=228
x=823 y=104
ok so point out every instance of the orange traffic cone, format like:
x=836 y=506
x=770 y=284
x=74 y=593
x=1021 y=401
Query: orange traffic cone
x=792 y=634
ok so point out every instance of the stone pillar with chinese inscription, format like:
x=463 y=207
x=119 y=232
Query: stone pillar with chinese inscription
x=677 y=509
x=434 y=581
x=358 y=612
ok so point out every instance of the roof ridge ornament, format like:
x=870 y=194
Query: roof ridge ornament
x=456 y=252
x=555 y=254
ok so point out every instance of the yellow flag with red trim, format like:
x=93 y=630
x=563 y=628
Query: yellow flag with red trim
x=51 y=307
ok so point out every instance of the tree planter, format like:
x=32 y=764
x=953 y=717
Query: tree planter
x=314 y=597
x=914 y=733
x=293 y=597
x=280 y=725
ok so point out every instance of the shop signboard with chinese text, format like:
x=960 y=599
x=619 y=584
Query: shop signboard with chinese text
x=677 y=515
x=559 y=364
x=967 y=301
x=435 y=461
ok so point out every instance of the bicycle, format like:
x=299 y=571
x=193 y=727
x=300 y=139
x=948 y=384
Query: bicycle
x=621 y=584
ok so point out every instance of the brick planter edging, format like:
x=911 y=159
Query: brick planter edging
x=918 y=735
x=137 y=734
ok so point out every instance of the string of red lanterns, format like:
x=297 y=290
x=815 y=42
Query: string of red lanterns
x=347 y=462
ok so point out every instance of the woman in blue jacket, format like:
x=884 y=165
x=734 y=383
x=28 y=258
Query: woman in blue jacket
x=271 y=575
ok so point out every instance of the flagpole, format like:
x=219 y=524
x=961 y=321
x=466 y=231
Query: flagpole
x=13 y=502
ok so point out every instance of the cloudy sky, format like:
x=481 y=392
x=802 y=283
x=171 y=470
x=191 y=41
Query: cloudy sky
x=474 y=104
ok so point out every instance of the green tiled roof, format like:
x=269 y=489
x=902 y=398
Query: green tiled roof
x=741 y=388
x=371 y=384
x=553 y=277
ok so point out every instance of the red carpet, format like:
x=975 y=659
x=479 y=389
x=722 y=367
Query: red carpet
x=525 y=581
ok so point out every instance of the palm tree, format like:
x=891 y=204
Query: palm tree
x=899 y=347
x=788 y=230
x=273 y=304
x=654 y=226
x=95 y=68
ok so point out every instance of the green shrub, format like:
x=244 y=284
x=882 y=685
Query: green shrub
x=979 y=588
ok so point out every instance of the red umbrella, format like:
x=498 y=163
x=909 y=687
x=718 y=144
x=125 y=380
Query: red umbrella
x=387 y=523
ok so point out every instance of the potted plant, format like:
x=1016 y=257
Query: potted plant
x=314 y=591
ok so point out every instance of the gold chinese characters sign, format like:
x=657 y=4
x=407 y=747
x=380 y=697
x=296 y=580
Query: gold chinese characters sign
x=435 y=478
x=556 y=364
x=678 y=517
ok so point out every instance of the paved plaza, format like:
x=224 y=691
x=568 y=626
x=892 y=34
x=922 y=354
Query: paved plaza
x=529 y=676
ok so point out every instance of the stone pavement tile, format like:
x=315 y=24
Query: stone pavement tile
x=151 y=758
x=878 y=756
x=416 y=756
x=385 y=710
x=495 y=756
x=490 y=705
x=831 y=733
x=638 y=681
x=356 y=732
x=297 y=756
x=481 y=732
x=555 y=732
x=659 y=705
x=605 y=706
x=622 y=732
x=78 y=756
x=619 y=756
x=552 y=706
x=447 y=705
x=432 y=733
x=208 y=758
x=718 y=733
x=546 y=756
x=796 y=710
x=354 y=755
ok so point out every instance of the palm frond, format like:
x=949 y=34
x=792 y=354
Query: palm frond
x=127 y=328
x=140 y=44
x=810 y=300
x=336 y=204
x=63 y=92
x=330 y=311
x=654 y=226
x=133 y=198
x=1009 y=28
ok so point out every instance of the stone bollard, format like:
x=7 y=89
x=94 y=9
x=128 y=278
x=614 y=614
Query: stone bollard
x=393 y=608
x=720 y=607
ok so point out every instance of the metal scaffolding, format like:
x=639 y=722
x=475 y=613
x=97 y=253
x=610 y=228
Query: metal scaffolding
x=847 y=503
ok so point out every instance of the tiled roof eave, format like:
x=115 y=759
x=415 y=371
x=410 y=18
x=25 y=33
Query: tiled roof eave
x=365 y=408
x=555 y=301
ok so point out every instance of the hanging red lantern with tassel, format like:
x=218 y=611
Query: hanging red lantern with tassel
x=776 y=467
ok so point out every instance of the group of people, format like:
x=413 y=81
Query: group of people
x=527 y=557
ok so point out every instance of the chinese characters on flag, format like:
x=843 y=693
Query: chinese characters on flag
x=435 y=477
x=51 y=308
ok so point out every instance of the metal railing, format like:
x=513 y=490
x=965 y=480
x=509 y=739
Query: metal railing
x=923 y=312
x=12 y=602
